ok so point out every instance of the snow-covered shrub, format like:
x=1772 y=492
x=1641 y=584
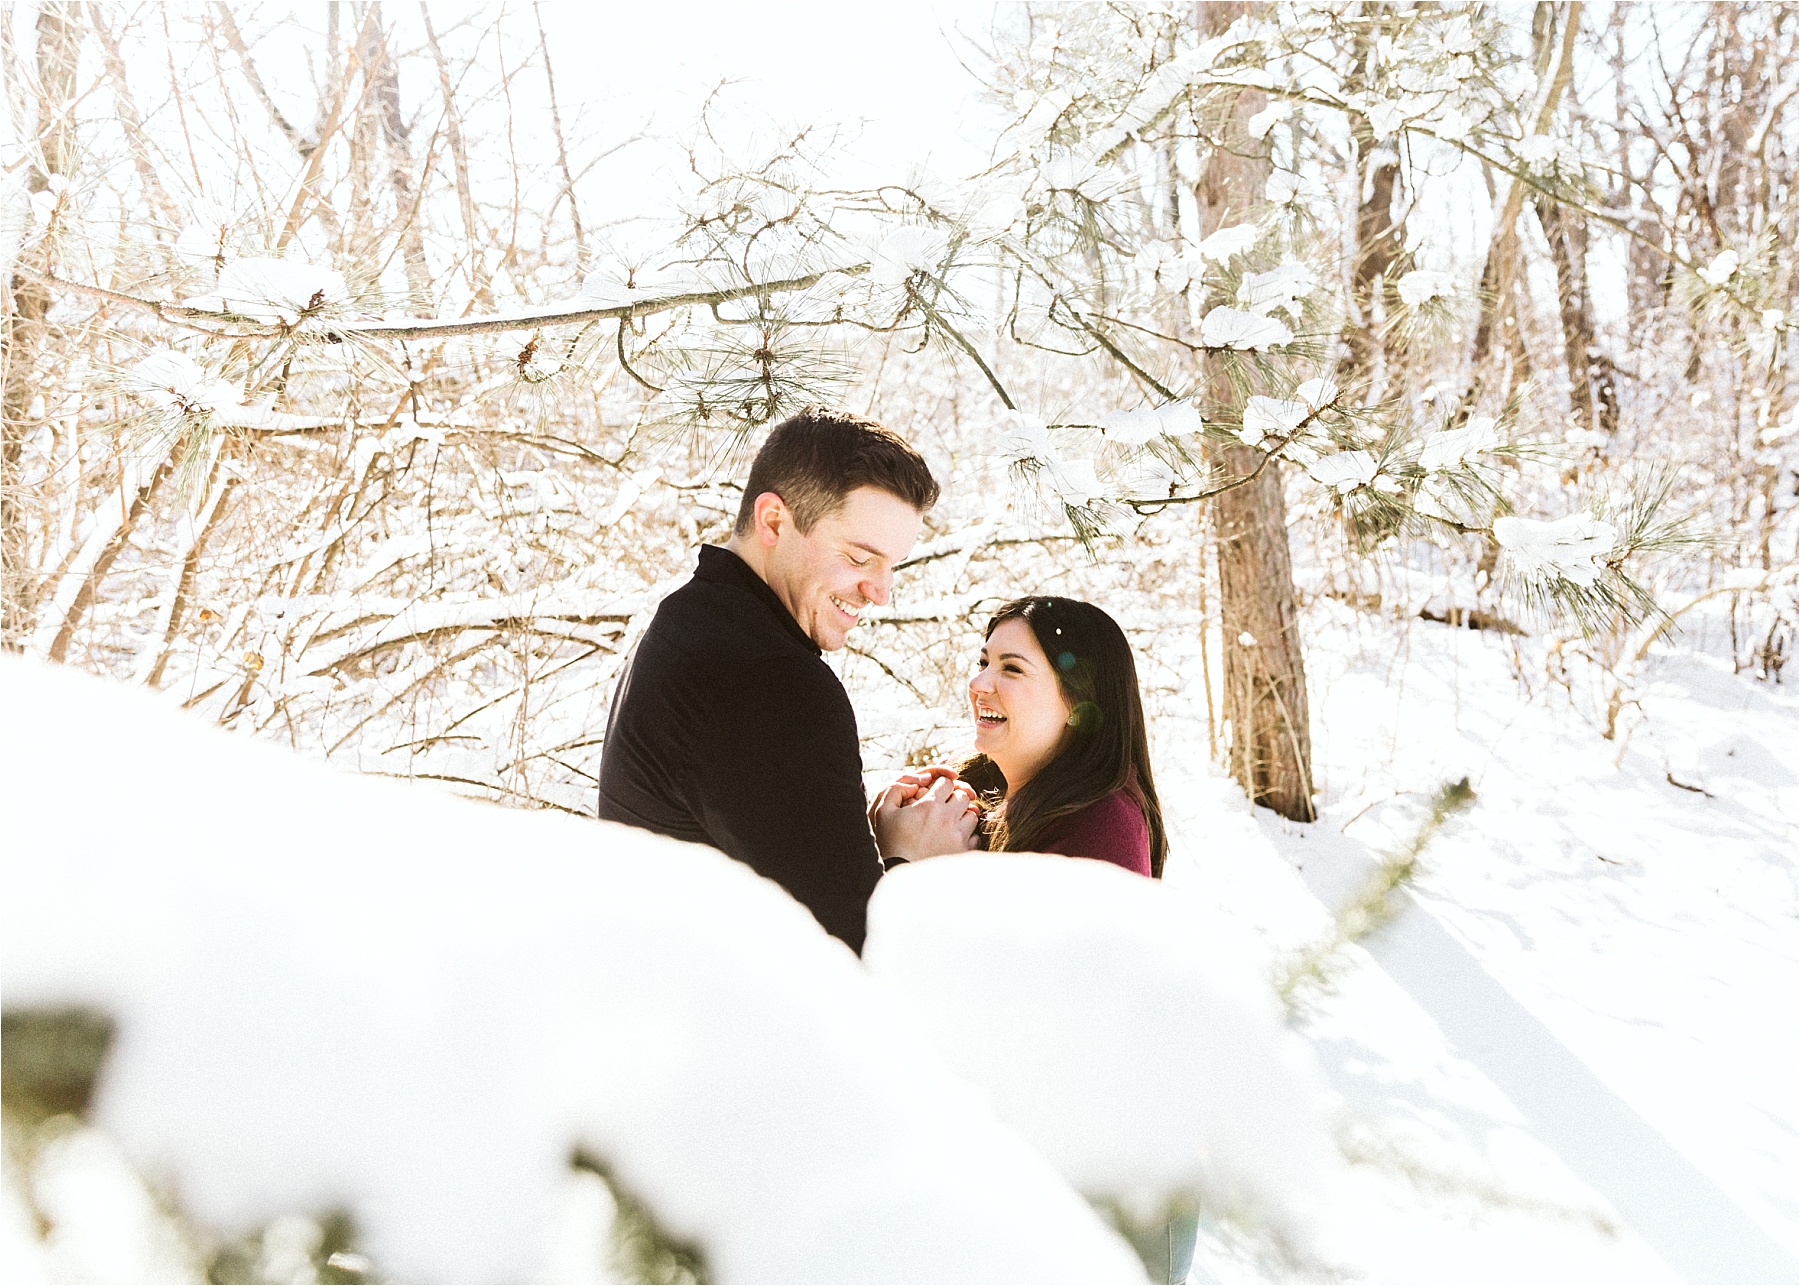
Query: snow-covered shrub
x=1120 y=1025
x=332 y=991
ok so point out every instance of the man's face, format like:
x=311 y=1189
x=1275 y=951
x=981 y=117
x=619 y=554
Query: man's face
x=826 y=576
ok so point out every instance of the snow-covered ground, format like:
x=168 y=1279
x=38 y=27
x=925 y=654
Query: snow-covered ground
x=1578 y=1039
x=1591 y=992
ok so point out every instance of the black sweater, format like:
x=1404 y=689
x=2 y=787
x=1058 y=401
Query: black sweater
x=729 y=729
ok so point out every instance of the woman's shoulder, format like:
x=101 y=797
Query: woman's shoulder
x=1119 y=808
x=1112 y=828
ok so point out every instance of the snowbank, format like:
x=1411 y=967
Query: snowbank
x=1120 y=1025
x=337 y=990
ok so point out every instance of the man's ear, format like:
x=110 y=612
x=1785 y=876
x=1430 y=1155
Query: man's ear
x=772 y=517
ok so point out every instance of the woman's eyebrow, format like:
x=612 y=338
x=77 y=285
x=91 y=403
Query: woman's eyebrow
x=1015 y=656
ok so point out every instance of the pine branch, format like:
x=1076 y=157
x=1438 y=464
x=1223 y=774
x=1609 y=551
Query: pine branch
x=445 y=328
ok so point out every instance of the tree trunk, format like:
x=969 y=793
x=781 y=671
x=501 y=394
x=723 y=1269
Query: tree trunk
x=385 y=74
x=28 y=304
x=1593 y=397
x=1379 y=240
x=1265 y=675
x=1502 y=284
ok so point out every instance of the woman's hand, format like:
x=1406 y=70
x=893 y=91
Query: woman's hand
x=925 y=814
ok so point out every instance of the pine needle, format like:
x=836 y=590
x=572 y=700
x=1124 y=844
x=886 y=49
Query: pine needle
x=1375 y=904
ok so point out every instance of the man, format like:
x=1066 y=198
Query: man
x=729 y=729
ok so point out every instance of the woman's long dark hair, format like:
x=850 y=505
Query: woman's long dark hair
x=1106 y=747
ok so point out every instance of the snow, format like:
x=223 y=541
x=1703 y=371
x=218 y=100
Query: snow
x=339 y=990
x=207 y=235
x=1280 y=287
x=1226 y=242
x=1170 y=420
x=1283 y=188
x=905 y=252
x=53 y=200
x=1593 y=982
x=172 y=381
x=105 y=1225
x=1270 y=417
x=1450 y=448
x=1723 y=267
x=1073 y=481
x=1170 y=267
x=1318 y=393
x=1565 y=548
x=1573 y=1023
x=1538 y=151
x=277 y=292
x=1024 y=438
x=1259 y=125
x=1422 y=285
x=1160 y=1067
x=1234 y=328
x=1345 y=470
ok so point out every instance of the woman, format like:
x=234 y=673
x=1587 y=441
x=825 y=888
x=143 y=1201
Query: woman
x=1062 y=762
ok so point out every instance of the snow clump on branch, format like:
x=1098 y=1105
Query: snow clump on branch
x=1025 y=439
x=1453 y=447
x=1025 y=444
x=906 y=252
x=1270 y=417
x=1344 y=471
x=1234 y=328
x=276 y=292
x=1282 y=287
x=1538 y=152
x=1422 y=285
x=172 y=381
x=1318 y=393
x=1135 y=428
x=1565 y=549
x=1723 y=267
x=207 y=236
x=1286 y=189
x=1226 y=242
x=50 y=204
x=1170 y=268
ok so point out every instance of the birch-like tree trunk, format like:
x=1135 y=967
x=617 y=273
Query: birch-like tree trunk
x=1380 y=237
x=1264 y=672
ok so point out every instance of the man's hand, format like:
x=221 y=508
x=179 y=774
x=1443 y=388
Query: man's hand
x=908 y=786
x=925 y=814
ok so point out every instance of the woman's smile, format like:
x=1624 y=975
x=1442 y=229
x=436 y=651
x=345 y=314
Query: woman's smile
x=1020 y=712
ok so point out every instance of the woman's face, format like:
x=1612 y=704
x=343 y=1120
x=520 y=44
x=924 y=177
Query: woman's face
x=1020 y=713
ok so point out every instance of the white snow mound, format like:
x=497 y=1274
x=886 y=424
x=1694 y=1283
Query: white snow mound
x=337 y=990
x=1119 y=1024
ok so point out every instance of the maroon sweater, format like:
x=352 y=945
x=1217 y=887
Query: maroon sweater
x=1112 y=828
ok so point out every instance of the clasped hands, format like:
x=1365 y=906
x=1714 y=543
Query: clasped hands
x=925 y=813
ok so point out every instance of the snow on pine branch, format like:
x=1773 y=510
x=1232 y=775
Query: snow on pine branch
x=1571 y=549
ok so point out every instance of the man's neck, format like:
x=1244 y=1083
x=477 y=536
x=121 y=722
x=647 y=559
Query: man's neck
x=754 y=556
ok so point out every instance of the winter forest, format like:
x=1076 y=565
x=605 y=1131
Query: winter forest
x=1414 y=382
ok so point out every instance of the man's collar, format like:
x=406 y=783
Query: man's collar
x=721 y=565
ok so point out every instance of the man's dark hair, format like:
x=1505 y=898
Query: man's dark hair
x=815 y=458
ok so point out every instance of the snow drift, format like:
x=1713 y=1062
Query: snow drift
x=339 y=991
x=1120 y=1025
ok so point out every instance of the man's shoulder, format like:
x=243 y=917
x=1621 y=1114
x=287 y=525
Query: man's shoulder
x=716 y=635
